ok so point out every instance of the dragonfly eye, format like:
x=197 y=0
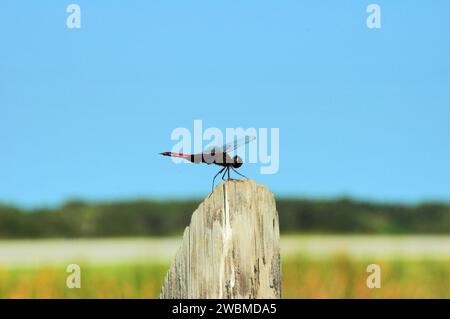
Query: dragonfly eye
x=237 y=162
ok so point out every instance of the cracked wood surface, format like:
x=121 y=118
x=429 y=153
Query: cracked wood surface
x=231 y=247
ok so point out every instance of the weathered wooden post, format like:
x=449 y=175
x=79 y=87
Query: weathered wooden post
x=231 y=247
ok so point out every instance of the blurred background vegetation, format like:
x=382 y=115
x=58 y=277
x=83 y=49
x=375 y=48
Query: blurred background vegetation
x=161 y=218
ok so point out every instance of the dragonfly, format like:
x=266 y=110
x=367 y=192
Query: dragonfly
x=218 y=155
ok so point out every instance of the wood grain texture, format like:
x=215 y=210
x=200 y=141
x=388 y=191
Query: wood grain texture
x=231 y=247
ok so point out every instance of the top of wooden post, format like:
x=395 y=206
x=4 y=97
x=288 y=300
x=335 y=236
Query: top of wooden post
x=231 y=247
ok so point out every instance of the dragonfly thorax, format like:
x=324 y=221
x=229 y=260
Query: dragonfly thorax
x=237 y=162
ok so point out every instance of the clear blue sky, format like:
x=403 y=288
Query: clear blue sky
x=362 y=113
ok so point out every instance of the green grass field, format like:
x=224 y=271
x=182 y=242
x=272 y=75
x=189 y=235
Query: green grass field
x=312 y=266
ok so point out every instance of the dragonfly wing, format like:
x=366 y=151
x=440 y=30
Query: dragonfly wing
x=238 y=142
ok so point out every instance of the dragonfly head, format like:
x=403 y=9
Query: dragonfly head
x=237 y=162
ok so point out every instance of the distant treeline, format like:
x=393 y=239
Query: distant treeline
x=155 y=218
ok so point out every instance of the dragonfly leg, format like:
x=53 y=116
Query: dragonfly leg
x=229 y=172
x=223 y=175
x=215 y=179
x=238 y=172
